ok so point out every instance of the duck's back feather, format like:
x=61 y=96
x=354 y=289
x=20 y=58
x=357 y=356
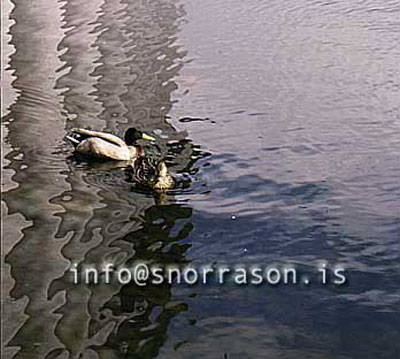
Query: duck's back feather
x=102 y=149
x=102 y=135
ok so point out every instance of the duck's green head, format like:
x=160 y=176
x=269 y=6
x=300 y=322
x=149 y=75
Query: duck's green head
x=132 y=135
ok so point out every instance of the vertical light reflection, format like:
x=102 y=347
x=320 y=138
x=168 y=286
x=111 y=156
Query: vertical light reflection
x=80 y=57
x=35 y=128
x=139 y=62
x=135 y=78
x=8 y=93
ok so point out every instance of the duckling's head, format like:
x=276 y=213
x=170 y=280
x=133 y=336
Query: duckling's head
x=162 y=169
x=164 y=180
x=132 y=135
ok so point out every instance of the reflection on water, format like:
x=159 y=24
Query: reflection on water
x=114 y=67
x=298 y=104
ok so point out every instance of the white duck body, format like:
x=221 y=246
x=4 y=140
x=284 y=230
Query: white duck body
x=103 y=145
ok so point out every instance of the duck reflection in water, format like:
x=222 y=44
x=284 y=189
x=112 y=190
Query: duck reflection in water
x=147 y=310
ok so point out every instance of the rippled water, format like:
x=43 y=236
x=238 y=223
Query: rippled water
x=282 y=124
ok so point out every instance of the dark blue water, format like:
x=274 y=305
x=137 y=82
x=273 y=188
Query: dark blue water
x=280 y=121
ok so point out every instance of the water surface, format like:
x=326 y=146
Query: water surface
x=280 y=119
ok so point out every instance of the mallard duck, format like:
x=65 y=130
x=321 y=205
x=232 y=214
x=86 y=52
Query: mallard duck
x=148 y=173
x=103 y=145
